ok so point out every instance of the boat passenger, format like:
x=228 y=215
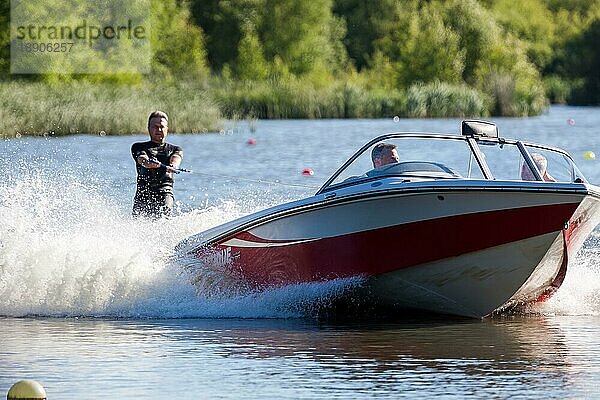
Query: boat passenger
x=155 y=162
x=542 y=166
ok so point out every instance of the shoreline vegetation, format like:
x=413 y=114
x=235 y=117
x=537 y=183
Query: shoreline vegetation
x=277 y=59
x=106 y=108
x=42 y=109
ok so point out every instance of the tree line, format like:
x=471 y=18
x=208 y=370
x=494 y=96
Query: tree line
x=512 y=57
x=504 y=48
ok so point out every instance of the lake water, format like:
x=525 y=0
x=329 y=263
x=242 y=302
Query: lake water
x=91 y=307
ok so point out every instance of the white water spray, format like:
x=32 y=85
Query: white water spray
x=67 y=249
x=580 y=292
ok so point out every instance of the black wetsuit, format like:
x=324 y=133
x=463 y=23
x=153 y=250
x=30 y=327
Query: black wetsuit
x=154 y=194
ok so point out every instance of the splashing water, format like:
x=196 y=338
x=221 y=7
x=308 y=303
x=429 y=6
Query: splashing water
x=580 y=292
x=66 y=249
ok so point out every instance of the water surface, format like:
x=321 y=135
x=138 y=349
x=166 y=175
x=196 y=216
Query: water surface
x=92 y=307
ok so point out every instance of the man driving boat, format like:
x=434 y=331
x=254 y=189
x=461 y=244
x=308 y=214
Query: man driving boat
x=384 y=154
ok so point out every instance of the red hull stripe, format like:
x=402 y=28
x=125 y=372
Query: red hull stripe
x=387 y=249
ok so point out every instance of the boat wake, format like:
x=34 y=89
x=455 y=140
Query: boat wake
x=580 y=292
x=68 y=249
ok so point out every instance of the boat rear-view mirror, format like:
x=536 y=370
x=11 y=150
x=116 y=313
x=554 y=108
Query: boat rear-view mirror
x=473 y=127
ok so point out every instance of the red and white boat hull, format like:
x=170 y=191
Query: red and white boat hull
x=457 y=250
x=476 y=283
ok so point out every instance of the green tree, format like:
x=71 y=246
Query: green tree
x=477 y=31
x=366 y=22
x=251 y=63
x=223 y=22
x=432 y=52
x=533 y=23
x=496 y=60
x=584 y=64
x=177 y=44
x=382 y=72
x=422 y=47
x=91 y=59
x=571 y=19
x=303 y=34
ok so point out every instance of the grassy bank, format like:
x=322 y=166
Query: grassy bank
x=294 y=99
x=297 y=99
x=32 y=108
x=35 y=108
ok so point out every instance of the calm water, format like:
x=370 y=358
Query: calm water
x=92 y=307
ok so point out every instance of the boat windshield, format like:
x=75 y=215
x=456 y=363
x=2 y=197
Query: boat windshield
x=416 y=157
x=506 y=162
x=425 y=157
x=559 y=166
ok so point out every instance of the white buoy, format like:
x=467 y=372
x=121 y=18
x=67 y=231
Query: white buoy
x=26 y=389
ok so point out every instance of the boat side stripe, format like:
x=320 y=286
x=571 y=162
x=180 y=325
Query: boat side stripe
x=235 y=242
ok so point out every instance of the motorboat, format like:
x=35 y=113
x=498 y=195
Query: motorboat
x=468 y=224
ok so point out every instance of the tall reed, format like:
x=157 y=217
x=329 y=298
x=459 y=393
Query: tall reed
x=439 y=99
x=35 y=108
x=276 y=99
